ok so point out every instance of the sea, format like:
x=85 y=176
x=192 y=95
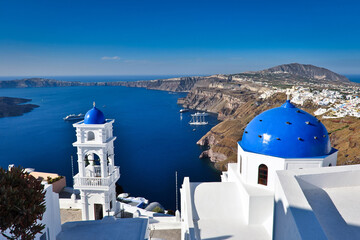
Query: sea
x=153 y=139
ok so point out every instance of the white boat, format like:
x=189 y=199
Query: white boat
x=183 y=110
x=198 y=119
x=72 y=117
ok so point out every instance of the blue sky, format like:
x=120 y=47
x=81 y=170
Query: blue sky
x=75 y=37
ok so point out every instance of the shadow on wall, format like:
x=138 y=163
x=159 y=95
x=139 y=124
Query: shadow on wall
x=218 y=238
x=327 y=213
x=324 y=222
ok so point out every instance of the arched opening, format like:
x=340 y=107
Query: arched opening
x=92 y=165
x=263 y=174
x=90 y=136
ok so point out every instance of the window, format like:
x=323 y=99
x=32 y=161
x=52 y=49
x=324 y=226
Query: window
x=330 y=164
x=263 y=174
x=90 y=136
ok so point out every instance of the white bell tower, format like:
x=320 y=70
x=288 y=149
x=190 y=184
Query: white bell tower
x=97 y=172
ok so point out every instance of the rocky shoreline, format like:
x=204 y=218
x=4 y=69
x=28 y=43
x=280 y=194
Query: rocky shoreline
x=11 y=107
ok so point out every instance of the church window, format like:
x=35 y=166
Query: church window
x=90 y=136
x=263 y=174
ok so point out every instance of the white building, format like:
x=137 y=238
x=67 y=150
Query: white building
x=97 y=171
x=51 y=216
x=242 y=205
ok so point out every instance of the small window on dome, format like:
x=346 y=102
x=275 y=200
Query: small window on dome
x=90 y=136
x=263 y=174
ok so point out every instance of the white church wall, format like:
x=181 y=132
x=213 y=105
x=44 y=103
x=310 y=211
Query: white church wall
x=260 y=208
x=95 y=198
x=68 y=203
x=293 y=217
x=333 y=177
x=251 y=163
x=331 y=159
x=257 y=203
x=291 y=164
x=188 y=230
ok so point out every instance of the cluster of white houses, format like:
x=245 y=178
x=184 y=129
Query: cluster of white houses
x=285 y=185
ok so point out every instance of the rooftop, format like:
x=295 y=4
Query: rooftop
x=217 y=212
x=328 y=197
x=108 y=228
x=286 y=132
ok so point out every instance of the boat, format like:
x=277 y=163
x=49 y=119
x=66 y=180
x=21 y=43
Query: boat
x=198 y=119
x=73 y=117
x=183 y=110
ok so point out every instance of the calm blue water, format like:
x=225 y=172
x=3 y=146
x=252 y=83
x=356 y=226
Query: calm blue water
x=152 y=141
x=97 y=78
x=354 y=78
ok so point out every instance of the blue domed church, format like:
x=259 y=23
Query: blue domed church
x=263 y=195
x=283 y=138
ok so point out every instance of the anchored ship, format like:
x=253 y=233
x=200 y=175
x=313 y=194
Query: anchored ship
x=73 y=117
x=198 y=119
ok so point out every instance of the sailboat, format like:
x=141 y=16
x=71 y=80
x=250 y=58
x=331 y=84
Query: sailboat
x=198 y=119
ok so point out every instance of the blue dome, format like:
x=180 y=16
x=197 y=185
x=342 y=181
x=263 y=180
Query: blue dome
x=94 y=116
x=286 y=132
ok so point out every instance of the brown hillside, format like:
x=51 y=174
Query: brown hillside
x=223 y=138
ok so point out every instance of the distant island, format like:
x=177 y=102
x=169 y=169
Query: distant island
x=237 y=98
x=11 y=107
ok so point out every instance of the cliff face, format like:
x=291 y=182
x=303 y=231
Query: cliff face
x=41 y=82
x=213 y=100
x=222 y=139
x=183 y=84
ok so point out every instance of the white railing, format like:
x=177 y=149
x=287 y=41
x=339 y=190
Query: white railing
x=97 y=170
x=191 y=228
x=97 y=181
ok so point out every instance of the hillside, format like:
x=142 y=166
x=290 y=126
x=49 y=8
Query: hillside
x=40 y=82
x=222 y=139
x=307 y=71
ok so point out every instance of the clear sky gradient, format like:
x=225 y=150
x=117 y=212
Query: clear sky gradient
x=75 y=37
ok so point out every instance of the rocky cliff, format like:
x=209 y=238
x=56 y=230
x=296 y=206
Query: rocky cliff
x=41 y=82
x=10 y=107
x=222 y=139
x=183 y=84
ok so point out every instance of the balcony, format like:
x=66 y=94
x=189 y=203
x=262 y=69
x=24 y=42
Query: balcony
x=96 y=183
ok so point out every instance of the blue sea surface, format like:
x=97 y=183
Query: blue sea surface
x=153 y=139
x=109 y=78
x=354 y=78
